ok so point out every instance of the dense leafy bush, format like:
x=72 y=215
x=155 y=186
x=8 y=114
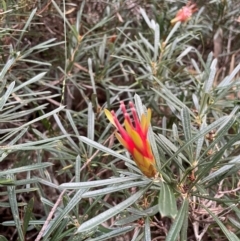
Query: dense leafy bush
x=64 y=175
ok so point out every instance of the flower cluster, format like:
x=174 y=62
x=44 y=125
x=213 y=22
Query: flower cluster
x=134 y=137
x=185 y=13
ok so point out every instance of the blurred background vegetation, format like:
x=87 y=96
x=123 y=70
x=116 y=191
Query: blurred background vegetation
x=62 y=174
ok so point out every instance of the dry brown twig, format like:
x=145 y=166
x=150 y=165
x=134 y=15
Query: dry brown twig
x=49 y=218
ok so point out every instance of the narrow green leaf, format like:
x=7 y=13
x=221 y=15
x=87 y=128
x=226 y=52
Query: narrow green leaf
x=60 y=125
x=184 y=53
x=5 y=69
x=167 y=202
x=127 y=220
x=184 y=230
x=33 y=189
x=178 y=222
x=6 y=182
x=146 y=18
x=88 y=225
x=43 y=116
x=28 y=215
x=147 y=212
x=114 y=188
x=112 y=234
x=146 y=42
x=147 y=230
x=28 y=82
x=89 y=184
x=215 y=159
x=32 y=222
x=200 y=134
x=71 y=121
x=200 y=141
x=173 y=30
x=59 y=234
x=41 y=46
x=156 y=41
x=45 y=182
x=2 y=238
x=208 y=83
x=134 y=170
x=229 y=234
x=50 y=204
x=26 y=26
x=227 y=84
x=20 y=135
x=4 y=6
x=14 y=208
x=63 y=15
x=90 y=126
x=221 y=132
x=5 y=97
x=102 y=49
x=222 y=170
x=90 y=65
x=170 y=148
x=77 y=168
x=186 y=122
x=228 y=80
x=234 y=222
x=26 y=168
x=58 y=219
x=167 y=95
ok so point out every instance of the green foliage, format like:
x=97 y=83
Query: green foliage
x=62 y=174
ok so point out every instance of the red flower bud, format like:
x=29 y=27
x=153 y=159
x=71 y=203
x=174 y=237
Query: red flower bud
x=134 y=137
x=185 y=13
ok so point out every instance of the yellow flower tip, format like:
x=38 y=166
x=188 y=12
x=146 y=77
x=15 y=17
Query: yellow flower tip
x=122 y=141
x=138 y=142
x=145 y=121
x=144 y=125
x=173 y=21
x=109 y=116
x=149 y=116
x=146 y=165
x=150 y=171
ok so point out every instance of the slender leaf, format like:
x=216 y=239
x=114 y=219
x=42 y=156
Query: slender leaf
x=58 y=219
x=28 y=215
x=2 y=238
x=228 y=233
x=147 y=230
x=14 y=208
x=178 y=222
x=186 y=122
x=112 y=234
x=167 y=202
x=26 y=168
x=88 y=225
x=97 y=183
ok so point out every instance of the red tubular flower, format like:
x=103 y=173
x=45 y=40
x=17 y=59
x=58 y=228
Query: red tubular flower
x=134 y=137
x=185 y=13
